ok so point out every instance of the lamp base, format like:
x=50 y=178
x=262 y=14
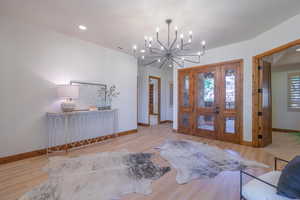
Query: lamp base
x=68 y=106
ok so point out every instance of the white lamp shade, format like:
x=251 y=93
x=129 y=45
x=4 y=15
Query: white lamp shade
x=68 y=91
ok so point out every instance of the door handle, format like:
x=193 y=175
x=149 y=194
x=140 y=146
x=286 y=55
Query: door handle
x=217 y=110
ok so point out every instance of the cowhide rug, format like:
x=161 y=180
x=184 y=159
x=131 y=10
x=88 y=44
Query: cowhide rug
x=194 y=160
x=102 y=176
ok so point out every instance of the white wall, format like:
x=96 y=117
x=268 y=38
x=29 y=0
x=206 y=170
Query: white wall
x=281 y=117
x=32 y=61
x=166 y=75
x=279 y=35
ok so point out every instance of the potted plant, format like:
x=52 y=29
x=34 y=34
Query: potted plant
x=111 y=93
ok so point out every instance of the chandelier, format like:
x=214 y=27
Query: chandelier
x=177 y=51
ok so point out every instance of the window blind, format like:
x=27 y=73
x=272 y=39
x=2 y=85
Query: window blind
x=294 y=91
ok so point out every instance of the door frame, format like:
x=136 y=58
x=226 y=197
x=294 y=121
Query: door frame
x=257 y=81
x=159 y=96
x=241 y=85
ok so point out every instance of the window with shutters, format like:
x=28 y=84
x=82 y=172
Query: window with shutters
x=294 y=91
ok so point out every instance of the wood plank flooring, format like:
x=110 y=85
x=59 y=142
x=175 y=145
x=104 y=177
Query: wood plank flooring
x=18 y=177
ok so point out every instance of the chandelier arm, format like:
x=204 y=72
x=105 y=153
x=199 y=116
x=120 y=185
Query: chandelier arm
x=159 y=42
x=168 y=34
x=174 y=41
x=187 y=55
x=154 y=61
x=191 y=61
x=153 y=57
x=163 y=62
x=176 y=62
x=154 y=48
x=156 y=51
x=179 y=49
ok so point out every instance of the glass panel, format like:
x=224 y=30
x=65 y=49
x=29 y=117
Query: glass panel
x=206 y=89
x=206 y=122
x=185 y=120
x=186 y=91
x=230 y=125
x=230 y=89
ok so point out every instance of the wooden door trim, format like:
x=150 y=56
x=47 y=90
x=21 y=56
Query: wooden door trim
x=256 y=84
x=241 y=85
x=181 y=109
x=159 y=97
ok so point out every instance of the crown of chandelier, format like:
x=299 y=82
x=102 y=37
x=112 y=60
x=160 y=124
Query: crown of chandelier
x=172 y=52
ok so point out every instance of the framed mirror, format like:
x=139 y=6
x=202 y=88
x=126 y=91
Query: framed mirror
x=91 y=94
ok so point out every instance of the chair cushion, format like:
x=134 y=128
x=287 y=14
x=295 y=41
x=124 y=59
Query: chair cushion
x=256 y=190
x=289 y=181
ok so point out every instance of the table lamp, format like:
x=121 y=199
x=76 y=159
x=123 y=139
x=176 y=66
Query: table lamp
x=68 y=93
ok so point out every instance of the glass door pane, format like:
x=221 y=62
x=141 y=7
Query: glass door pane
x=186 y=90
x=230 y=89
x=185 y=120
x=206 y=122
x=206 y=89
x=230 y=125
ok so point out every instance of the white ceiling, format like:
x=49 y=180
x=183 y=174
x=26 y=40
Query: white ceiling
x=114 y=23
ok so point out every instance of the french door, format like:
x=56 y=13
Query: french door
x=210 y=101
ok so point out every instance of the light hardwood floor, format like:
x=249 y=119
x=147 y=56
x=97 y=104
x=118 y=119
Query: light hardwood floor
x=18 y=177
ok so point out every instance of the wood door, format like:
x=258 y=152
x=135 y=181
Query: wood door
x=265 y=135
x=151 y=112
x=231 y=91
x=211 y=101
x=206 y=102
x=185 y=102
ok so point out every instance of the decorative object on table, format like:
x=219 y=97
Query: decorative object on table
x=98 y=176
x=170 y=52
x=91 y=94
x=110 y=94
x=194 y=160
x=68 y=93
x=268 y=186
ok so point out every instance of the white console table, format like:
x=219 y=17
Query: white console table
x=78 y=128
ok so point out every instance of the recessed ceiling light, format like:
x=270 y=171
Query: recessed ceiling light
x=82 y=27
x=298 y=49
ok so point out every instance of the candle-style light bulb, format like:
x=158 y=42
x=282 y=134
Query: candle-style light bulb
x=157 y=29
x=176 y=28
x=150 y=39
x=181 y=36
x=203 y=43
x=190 y=40
x=146 y=37
x=134 y=47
